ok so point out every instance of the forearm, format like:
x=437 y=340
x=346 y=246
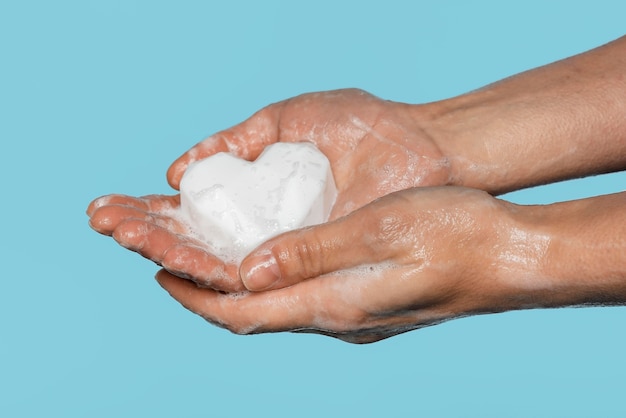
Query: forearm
x=579 y=250
x=564 y=120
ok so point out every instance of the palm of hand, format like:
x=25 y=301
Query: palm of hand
x=375 y=147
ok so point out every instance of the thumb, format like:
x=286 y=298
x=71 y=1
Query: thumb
x=310 y=252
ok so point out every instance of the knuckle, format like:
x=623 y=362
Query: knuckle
x=305 y=256
x=393 y=228
x=391 y=224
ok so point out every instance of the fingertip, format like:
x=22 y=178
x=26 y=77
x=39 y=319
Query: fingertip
x=101 y=222
x=91 y=208
x=259 y=271
x=175 y=173
x=115 y=200
x=97 y=203
x=106 y=218
x=170 y=283
x=205 y=148
x=163 y=277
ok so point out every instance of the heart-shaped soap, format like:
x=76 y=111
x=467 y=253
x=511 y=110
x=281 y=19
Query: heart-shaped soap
x=234 y=205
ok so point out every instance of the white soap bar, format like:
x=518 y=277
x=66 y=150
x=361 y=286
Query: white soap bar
x=234 y=205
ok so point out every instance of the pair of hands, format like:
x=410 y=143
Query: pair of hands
x=395 y=255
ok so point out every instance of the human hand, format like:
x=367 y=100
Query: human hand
x=408 y=260
x=150 y=226
x=499 y=138
x=375 y=147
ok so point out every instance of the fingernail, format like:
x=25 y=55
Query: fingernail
x=263 y=272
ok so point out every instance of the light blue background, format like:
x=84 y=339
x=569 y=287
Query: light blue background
x=99 y=97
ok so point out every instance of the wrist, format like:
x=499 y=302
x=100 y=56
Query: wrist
x=509 y=259
x=440 y=121
x=561 y=121
x=564 y=254
x=587 y=257
x=480 y=136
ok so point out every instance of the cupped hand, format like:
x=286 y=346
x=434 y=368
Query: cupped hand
x=408 y=260
x=375 y=147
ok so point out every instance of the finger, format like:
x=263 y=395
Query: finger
x=111 y=199
x=160 y=203
x=154 y=203
x=245 y=140
x=195 y=263
x=318 y=306
x=107 y=218
x=242 y=313
x=147 y=238
x=311 y=252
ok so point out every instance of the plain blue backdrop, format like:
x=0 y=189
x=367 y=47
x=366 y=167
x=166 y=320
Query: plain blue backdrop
x=100 y=96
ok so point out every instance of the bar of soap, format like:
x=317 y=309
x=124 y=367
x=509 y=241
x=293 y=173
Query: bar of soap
x=234 y=205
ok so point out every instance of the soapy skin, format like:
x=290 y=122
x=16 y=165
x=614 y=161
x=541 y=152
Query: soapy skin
x=395 y=256
x=374 y=146
x=423 y=256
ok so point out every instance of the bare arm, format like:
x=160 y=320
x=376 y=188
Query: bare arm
x=586 y=259
x=564 y=120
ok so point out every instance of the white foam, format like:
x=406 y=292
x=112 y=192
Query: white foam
x=234 y=205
